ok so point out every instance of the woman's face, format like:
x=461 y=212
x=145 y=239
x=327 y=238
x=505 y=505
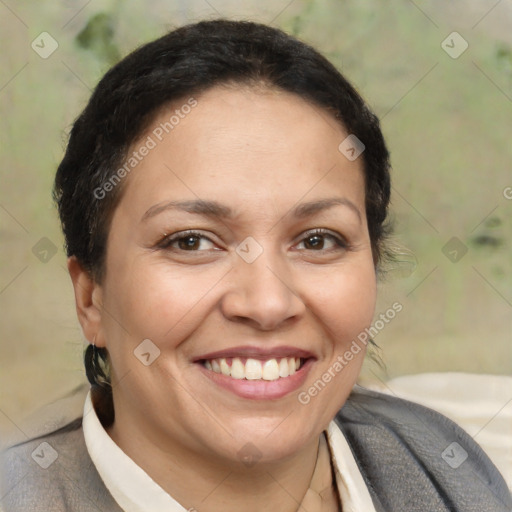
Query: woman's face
x=240 y=245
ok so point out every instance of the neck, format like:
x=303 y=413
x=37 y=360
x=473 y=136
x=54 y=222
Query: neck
x=206 y=485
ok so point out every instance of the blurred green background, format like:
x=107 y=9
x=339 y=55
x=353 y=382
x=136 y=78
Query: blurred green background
x=448 y=125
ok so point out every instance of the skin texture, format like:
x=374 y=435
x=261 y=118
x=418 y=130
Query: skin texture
x=260 y=153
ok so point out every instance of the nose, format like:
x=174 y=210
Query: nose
x=262 y=295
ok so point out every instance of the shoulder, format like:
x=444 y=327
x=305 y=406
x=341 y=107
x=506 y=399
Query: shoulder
x=52 y=472
x=39 y=474
x=411 y=454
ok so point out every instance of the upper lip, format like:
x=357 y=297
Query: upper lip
x=257 y=353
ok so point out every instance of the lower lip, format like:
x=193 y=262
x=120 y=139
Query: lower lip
x=260 y=389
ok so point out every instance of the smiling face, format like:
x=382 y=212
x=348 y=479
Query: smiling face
x=240 y=248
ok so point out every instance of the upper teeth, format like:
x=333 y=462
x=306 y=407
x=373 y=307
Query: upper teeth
x=254 y=369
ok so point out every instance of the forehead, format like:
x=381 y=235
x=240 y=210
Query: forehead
x=245 y=144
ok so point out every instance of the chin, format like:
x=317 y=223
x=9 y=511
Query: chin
x=265 y=440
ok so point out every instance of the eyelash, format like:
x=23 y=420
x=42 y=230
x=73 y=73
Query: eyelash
x=168 y=240
x=338 y=240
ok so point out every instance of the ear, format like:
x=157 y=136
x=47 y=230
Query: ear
x=88 y=299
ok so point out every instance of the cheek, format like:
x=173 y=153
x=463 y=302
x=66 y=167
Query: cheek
x=158 y=302
x=344 y=307
x=345 y=302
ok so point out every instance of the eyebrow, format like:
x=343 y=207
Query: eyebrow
x=313 y=207
x=217 y=210
x=197 y=206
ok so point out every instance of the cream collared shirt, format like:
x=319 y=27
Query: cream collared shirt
x=135 y=491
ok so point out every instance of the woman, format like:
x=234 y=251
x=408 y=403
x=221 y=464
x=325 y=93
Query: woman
x=223 y=197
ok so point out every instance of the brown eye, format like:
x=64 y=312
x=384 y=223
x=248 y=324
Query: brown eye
x=314 y=242
x=321 y=241
x=187 y=242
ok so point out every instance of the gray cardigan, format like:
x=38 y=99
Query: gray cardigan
x=411 y=458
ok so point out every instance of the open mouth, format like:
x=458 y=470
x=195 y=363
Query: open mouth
x=254 y=369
